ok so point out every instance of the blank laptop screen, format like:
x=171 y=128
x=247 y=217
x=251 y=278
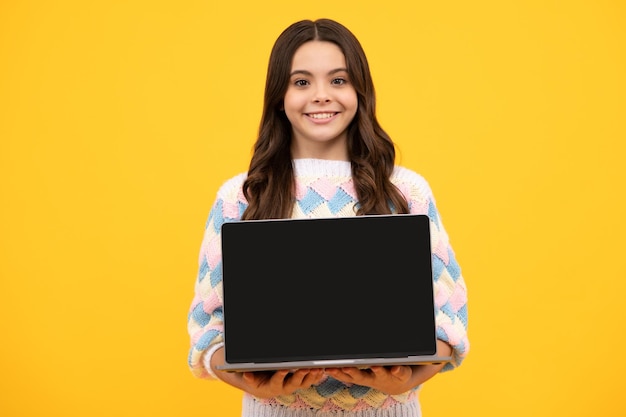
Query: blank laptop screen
x=330 y=288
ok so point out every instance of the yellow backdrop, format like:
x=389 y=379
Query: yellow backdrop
x=119 y=120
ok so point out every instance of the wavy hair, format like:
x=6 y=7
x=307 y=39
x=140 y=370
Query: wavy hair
x=269 y=186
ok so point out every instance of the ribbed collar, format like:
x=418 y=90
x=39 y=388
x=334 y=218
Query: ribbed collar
x=324 y=167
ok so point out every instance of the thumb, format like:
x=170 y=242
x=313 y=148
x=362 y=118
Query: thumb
x=248 y=377
x=399 y=371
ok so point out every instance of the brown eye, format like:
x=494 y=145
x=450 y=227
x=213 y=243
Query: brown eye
x=300 y=83
x=339 y=81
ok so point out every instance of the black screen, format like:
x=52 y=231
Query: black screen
x=331 y=288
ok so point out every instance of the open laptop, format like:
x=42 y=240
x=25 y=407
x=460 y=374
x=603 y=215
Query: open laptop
x=328 y=292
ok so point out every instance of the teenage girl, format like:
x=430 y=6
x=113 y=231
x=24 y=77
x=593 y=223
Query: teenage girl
x=321 y=152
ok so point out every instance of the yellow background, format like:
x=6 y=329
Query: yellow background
x=119 y=120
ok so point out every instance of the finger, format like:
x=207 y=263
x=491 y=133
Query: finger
x=257 y=378
x=277 y=381
x=249 y=378
x=320 y=377
x=332 y=371
x=353 y=372
x=379 y=370
x=355 y=376
x=297 y=377
x=338 y=374
x=401 y=372
x=311 y=378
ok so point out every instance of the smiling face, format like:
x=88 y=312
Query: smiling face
x=320 y=102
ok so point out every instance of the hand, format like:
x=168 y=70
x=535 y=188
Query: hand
x=263 y=384
x=273 y=384
x=390 y=380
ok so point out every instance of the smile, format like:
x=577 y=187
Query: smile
x=320 y=115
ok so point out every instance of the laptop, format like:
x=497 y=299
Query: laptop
x=328 y=292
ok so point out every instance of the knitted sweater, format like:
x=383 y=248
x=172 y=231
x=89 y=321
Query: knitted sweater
x=325 y=189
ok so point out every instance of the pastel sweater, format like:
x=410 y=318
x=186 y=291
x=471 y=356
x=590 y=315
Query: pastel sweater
x=326 y=189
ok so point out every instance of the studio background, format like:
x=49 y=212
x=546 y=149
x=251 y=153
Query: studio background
x=120 y=119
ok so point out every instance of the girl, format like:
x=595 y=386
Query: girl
x=321 y=153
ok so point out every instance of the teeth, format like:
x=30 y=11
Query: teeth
x=321 y=115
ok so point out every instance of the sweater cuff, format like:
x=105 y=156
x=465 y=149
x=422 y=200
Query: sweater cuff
x=206 y=359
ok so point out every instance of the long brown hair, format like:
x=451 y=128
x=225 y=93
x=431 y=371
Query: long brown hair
x=269 y=186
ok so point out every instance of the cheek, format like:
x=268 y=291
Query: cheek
x=292 y=101
x=353 y=103
x=351 y=100
x=288 y=105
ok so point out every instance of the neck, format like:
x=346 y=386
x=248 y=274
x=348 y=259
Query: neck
x=320 y=151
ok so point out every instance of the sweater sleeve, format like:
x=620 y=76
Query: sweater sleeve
x=205 y=318
x=449 y=286
x=450 y=292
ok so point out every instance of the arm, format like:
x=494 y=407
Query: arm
x=450 y=294
x=205 y=322
x=205 y=319
x=449 y=285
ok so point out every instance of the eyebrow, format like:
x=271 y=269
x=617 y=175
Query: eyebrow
x=305 y=72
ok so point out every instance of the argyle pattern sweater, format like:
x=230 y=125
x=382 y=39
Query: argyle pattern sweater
x=325 y=189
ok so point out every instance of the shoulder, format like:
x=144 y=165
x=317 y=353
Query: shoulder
x=230 y=202
x=232 y=187
x=409 y=181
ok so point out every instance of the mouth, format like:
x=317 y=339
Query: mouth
x=321 y=116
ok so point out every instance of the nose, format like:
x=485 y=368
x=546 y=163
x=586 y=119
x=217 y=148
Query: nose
x=321 y=95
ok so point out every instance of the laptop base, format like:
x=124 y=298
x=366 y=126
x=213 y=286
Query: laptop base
x=339 y=363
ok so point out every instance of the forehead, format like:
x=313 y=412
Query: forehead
x=318 y=55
